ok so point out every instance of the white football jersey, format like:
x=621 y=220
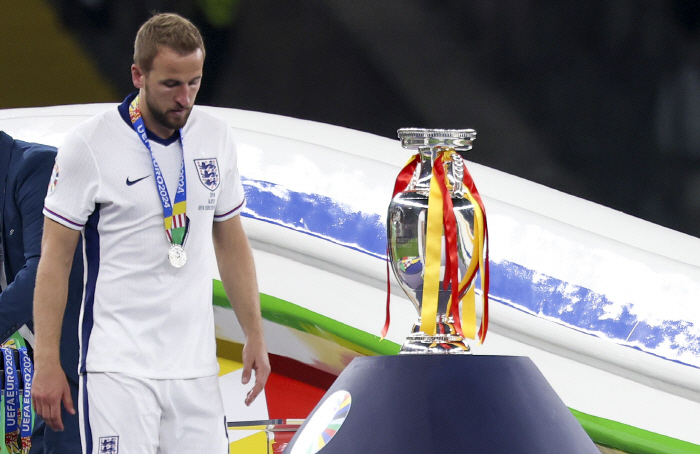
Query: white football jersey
x=141 y=316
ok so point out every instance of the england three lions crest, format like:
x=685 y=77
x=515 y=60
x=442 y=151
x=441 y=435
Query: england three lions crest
x=208 y=170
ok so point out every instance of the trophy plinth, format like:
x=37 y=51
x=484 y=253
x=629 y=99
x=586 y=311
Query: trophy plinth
x=394 y=405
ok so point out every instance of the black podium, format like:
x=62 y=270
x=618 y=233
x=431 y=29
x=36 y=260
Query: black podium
x=443 y=404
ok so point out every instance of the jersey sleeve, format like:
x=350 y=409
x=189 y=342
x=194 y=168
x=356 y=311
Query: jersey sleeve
x=231 y=200
x=73 y=186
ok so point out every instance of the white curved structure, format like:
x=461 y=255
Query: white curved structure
x=606 y=305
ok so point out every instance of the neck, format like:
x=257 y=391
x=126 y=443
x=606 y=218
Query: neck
x=152 y=125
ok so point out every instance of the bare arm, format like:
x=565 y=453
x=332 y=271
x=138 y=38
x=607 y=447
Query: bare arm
x=50 y=293
x=237 y=269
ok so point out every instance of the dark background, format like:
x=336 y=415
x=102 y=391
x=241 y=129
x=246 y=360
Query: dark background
x=599 y=99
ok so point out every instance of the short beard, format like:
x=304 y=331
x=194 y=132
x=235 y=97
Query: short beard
x=162 y=119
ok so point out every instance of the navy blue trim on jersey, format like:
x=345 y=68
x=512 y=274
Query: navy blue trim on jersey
x=64 y=218
x=124 y=113
x=85 y=414
x=92 y=254
x=229 y=212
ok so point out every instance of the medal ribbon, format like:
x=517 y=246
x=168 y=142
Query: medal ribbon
x=441 y=221
x=26 y=424
x=174 y=215
x=11 y=401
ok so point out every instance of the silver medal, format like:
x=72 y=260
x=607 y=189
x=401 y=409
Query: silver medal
x=177 y=256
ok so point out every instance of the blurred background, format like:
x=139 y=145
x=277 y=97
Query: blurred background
x=599 y=99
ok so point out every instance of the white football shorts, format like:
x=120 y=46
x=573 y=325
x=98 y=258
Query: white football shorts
x=132 y=415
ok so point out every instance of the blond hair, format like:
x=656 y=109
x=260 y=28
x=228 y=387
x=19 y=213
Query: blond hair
x=165 y=30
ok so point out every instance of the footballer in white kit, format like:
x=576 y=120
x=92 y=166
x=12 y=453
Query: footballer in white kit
x=145 y=322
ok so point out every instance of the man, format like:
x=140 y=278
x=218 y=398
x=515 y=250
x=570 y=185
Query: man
x=25 y=169
x=154 y=188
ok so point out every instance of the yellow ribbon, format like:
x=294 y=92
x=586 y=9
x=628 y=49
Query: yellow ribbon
x=481 y=241
x=433 y=254
x=469 y=301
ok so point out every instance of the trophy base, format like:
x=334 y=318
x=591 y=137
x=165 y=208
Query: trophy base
x=421 y=344
x=434 y=346
x=447 y=342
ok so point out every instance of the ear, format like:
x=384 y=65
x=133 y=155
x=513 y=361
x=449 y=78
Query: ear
x=138 y=76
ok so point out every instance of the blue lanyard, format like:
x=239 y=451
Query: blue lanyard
x=171 y=220
x=26 y=368
x=11 y=401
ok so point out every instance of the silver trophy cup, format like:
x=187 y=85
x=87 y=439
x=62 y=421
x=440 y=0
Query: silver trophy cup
x=407 y=227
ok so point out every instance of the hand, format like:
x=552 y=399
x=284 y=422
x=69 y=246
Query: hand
x=49 y=389
x=255 y=359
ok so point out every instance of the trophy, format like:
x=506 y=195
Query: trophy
x=438 y=250
x=438 y=242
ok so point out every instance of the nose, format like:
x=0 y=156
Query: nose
x=184 y=97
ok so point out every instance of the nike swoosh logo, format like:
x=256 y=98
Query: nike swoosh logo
x=132 y=182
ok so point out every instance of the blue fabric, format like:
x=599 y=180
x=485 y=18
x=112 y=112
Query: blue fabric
x=25 y=170
x=92 y=256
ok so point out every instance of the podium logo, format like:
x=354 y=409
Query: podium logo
x=323 y=424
